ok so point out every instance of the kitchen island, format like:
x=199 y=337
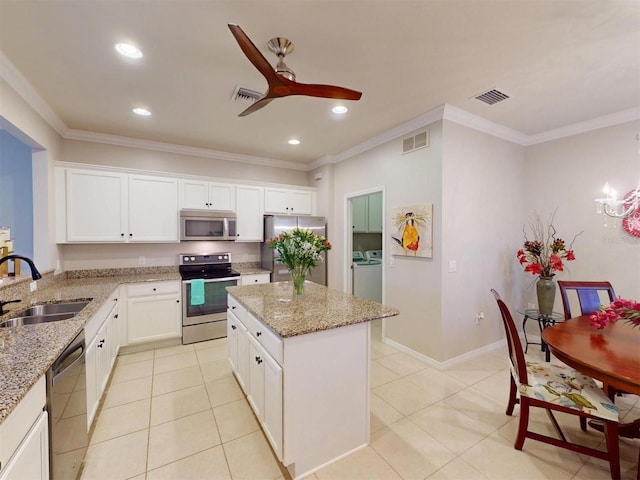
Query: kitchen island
x=304 y=366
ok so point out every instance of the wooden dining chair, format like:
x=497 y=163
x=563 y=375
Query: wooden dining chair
x=557 y=388
x=588 y=295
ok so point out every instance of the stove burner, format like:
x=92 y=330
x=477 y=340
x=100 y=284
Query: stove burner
x=206 y=265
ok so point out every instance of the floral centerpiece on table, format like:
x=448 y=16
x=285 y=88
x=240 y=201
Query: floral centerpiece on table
x=299 y=250
x=619 y=309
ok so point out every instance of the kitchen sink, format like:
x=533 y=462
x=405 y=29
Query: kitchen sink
x=52 y=308
x=48 y=312
x=34 y=319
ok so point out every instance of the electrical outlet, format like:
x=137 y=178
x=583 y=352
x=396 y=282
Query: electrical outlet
x=479 y=316
x=392 y=261
x=245 y=257
x=142 y=260
x=33 y=286
x=453 y=266
x=531 y=306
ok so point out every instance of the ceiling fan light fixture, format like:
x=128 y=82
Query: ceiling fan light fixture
x=128 y=50
x=340 y=109
x=143 y=112
x=294 y=141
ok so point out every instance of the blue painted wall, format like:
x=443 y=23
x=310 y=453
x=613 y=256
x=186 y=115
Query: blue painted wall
x=16 y=192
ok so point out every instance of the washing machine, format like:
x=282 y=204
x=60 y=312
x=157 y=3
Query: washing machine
x=367 y=277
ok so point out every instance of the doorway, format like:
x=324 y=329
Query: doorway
x=365 y=247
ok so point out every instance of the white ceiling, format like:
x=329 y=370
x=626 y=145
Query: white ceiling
x=562 y=62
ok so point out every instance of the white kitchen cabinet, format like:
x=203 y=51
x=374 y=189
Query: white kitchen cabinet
x=24 y=438
x=250 y=213
x=103 y=206
x=375 y=212
x=96 y=206
x=31 y=460
x=102 y=335
x=255 y=279
x=238 y=341
x=306 y=388
x=196 y=194
x=360 y=214
x=288 y=201
x=366 y=213
x=152 y=209
x=153 y=311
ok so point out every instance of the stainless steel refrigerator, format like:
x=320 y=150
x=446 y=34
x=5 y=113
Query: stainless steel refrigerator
x=275 y=225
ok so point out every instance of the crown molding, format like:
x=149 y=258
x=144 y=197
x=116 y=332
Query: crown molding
x=462 y=117
x=384 y=137
x=21 y=85
x=179 y=149
x=616 y=118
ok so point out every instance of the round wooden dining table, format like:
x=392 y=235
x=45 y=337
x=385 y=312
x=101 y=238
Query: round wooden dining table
x=611 y=355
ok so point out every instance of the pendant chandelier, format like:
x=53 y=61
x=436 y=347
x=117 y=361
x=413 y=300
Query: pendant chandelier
x=615 y=207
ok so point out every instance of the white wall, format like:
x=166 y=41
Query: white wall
x=413 y=285
x=24 y=123
x=568 y=174
x=483 y=184
x=128 y=157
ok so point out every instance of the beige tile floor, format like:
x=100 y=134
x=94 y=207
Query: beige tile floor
x=178 y=413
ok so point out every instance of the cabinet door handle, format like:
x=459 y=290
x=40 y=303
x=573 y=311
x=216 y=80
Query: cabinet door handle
x=233 y=327
x=154 y=289
x=115 y=299
x=256 y=280
x=177 y=301
x=131 y=234
x=233 y=307
x=258 y=360
x=115 y=316
x=122 y=234
x=258 y=333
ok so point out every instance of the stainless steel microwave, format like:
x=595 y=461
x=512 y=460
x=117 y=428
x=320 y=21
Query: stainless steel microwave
x=207 y=225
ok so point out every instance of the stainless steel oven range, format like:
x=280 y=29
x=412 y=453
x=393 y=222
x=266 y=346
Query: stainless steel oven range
x=204 y=296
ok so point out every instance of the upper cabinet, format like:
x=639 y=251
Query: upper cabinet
x=109 y=205
x=287 y=201
x=249 y=213
x=115 y=207
x=196 y=194
x=366 y=213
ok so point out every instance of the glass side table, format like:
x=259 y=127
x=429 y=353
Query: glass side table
x=544 y=321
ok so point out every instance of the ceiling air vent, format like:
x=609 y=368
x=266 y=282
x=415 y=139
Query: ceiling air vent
x=244 y=95
x=492 y=96
x=416 y=142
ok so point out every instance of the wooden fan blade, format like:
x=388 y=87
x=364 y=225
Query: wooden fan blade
x=257 y=105
x=316 y=90
x=253 y=54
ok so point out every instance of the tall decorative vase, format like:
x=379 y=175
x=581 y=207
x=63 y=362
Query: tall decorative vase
x=546 y=290
x=298 y=275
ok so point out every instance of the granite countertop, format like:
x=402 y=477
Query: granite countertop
x=30 y=350
x=249 y=268
x=319 y=308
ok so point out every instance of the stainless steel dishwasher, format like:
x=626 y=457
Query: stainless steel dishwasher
x=67 y=407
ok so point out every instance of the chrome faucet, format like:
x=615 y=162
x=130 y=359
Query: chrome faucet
x=35 y=274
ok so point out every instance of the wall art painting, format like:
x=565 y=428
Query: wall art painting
x=413 y=231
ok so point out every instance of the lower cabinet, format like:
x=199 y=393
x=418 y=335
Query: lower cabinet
x=153 y=311
x=255 y=278
x=24 y=438
x=303 y=389
x=102 y=350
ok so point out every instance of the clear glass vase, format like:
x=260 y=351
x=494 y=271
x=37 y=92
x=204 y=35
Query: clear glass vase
x=298 y=276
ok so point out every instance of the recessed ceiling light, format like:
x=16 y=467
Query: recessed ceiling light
x=141 y=111
x=339 y=109
x=128 y=50
x=294 y=141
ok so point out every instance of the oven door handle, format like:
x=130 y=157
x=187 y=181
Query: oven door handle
x=211 y=280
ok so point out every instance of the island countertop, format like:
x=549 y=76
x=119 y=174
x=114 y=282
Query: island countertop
x=319 y=308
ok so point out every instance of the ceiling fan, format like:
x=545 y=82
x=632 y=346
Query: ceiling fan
x=282 y=80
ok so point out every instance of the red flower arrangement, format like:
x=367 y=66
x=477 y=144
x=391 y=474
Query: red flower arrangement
x=546 y=253
x=620 y=308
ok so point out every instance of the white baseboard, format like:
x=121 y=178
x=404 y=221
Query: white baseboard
x=447 y=363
